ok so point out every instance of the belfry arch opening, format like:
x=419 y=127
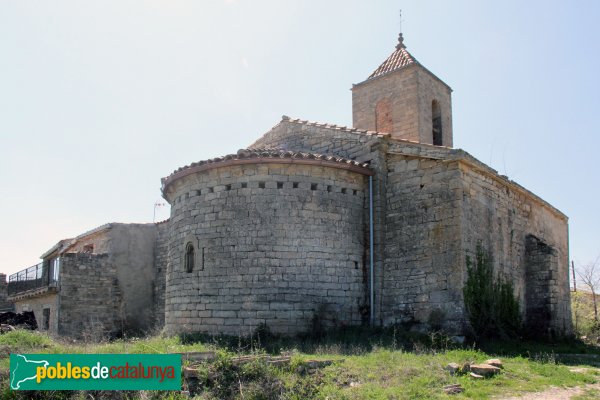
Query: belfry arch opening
x=436 y=123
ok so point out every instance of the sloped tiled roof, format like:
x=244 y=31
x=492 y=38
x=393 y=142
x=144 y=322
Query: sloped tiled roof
x=247 y=156
x=244 y=154
x=332 y=126
x=398 y=59
x=66 y=244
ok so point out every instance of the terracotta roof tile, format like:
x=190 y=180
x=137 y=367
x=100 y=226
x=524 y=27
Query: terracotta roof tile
x=332 y=126
x=398 y=59
x=264 y=154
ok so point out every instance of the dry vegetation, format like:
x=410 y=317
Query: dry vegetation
x=373 y=364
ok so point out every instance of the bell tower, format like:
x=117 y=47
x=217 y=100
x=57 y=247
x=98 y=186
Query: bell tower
x=405 y=99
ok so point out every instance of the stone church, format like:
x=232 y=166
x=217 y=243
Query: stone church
x=369 y=224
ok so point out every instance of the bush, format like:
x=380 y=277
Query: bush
x=491 y=304
x=584 y=323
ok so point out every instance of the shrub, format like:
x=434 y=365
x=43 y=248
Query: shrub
x=584 y=323
x=490 y=302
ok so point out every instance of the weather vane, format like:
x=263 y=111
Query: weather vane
x=400 y=44
x=400 y=20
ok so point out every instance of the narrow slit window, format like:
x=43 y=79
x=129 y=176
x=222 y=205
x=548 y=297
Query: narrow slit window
x=189 y=257
x=436 y=123
x=202 y=259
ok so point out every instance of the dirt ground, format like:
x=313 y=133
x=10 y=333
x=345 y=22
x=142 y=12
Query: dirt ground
x=556 y=393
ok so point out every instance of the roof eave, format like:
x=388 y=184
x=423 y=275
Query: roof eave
x=415 y=64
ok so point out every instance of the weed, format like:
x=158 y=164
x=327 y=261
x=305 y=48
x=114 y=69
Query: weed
x=491 y=304
x=368 y=363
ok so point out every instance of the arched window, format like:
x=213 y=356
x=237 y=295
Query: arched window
x=189 y=257
x=436 y=123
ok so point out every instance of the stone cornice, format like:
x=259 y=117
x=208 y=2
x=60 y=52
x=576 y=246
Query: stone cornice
x=268 y=156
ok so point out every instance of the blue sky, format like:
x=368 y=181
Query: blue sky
x=99 y=100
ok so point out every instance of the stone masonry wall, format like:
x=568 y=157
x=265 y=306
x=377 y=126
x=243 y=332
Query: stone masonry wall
x=298 y=135
x=99 y=242
x=37 y=305
x=408 y=93
x=541 y=300
x=492 y=210
x=160 y=264
x=278 y=244
x=430 y=89
x=400 y=90
x=131 y=250
x=90 y=300
x=423 y=267
x=376 y=149
x=357 y=144
x=501 y=216
x=366 y=147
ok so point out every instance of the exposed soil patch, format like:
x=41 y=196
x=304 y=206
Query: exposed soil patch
x=555 y=393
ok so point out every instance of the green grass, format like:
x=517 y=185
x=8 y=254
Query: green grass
x=368 y=364
x=25 y=340
x=395 y=374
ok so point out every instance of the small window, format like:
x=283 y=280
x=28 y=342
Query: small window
x=88 y=248
x=261 y=185
x=189 y=257
x=279 y=185
x=244 y=185
x=295 y=185
x=313 y=186
x=436 y=123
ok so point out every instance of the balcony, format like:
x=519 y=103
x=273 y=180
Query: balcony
x=33 y=281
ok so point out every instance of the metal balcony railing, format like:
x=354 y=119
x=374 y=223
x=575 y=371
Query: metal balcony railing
x=34 y=277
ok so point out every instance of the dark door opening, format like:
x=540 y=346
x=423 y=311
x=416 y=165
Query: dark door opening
x=46 y=319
